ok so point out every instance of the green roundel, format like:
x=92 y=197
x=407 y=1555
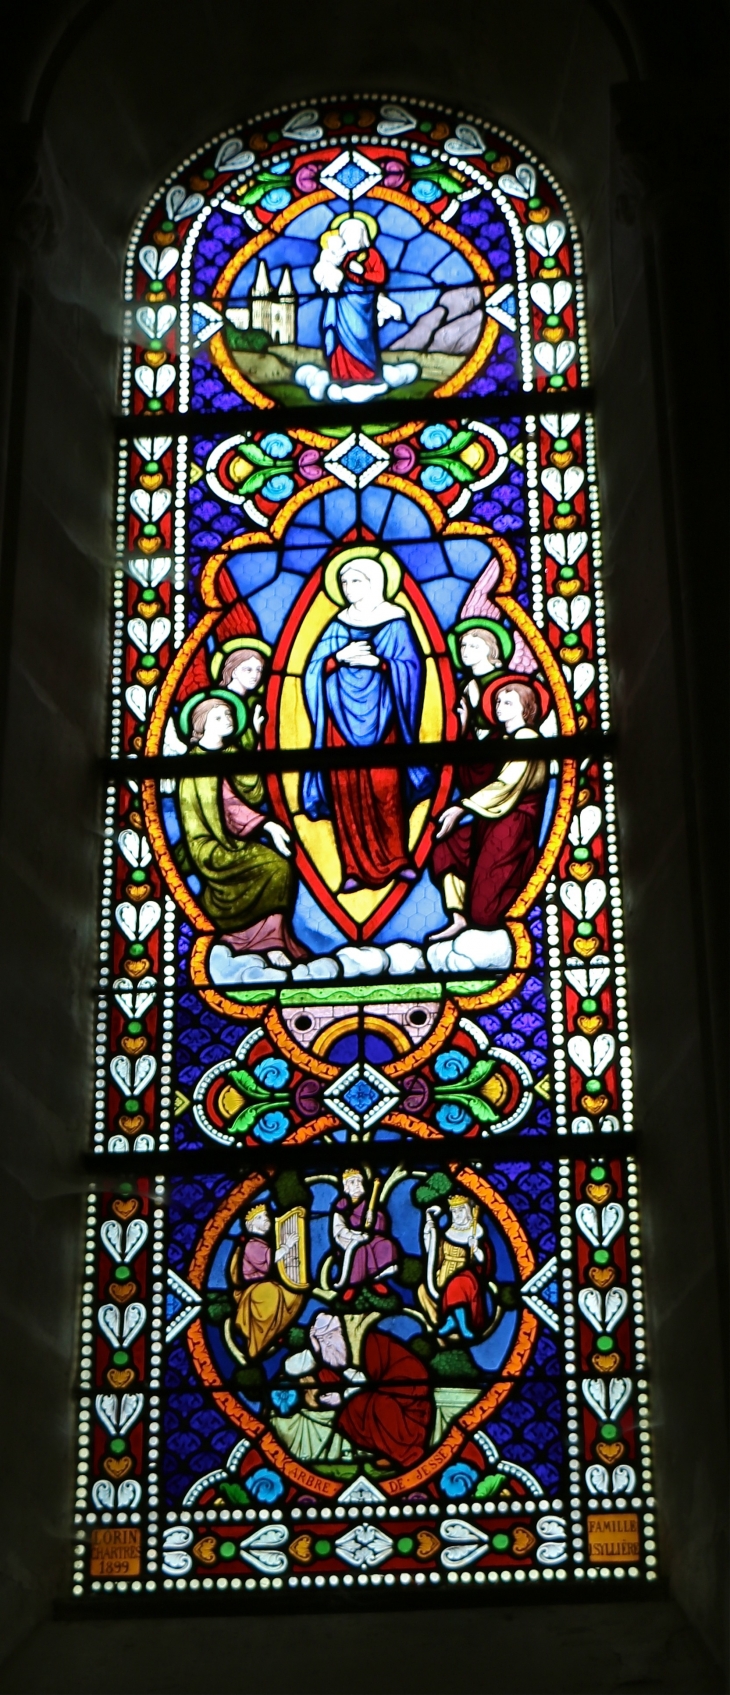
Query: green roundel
x=405 y=1545
x=598 y=1173
x=227 y=1550
x=500 y=1542
x=122 y=1273
x=593 y=1086
x=323 y=1548
x=609 y=1432
x=601 y=1256
x=117 y=1445
x=135 y=950
x=585 y=928
x=604 y=1344
x=121 y=1357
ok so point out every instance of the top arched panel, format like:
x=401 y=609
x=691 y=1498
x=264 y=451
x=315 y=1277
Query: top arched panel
x=347 y=251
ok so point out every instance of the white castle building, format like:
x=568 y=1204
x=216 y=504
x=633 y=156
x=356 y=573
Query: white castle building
x=274 y=310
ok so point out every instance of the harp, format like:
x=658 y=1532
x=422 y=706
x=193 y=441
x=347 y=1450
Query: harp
x=291 y=1248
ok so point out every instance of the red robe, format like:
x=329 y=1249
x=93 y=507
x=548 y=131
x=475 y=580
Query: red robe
x=495 y=858
x=369 y=819
x=393 y=1414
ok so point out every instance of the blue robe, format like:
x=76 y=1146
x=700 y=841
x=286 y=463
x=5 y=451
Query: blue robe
x=361 y=706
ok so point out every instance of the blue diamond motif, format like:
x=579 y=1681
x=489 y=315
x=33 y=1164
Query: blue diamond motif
x=361 y=1096
x=351 y=176
x=357 y=460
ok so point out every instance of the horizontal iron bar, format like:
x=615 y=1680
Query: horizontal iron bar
x=581 y=746
x=387 y=411
x=412 y=1153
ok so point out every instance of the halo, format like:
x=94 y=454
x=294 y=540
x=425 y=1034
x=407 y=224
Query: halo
x=251 y=644
x=240 y=716
x=507 y=679
x=393 y=571
x=364 y=217
x=503 y=638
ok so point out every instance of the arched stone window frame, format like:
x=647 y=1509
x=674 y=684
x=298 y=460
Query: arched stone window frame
x=22 y=602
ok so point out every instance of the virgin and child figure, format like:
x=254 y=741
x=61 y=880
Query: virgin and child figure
x=364 y=688
x=351 y=273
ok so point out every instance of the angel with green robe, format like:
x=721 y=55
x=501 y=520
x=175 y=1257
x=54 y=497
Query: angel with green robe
x=242 y=858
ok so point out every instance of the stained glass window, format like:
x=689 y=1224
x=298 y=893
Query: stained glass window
x=363 y=1298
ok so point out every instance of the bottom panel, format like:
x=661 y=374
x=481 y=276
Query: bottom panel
x=376 y=1375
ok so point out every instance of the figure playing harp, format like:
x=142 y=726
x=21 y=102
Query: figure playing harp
x=268 y=1286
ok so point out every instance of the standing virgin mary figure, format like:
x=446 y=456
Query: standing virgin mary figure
x=364 y=687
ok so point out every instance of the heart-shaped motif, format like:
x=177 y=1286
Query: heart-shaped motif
x=601 y=1276
x=590 y=1103
x=586 y=946
x=589 y=1025
x=304 y=126
x=619 y=1394
x=610 y=1451
x=144 y=1071
x=233 y=156
x=582 y=678
x=140 y=891
x=547 y=239
x=133 y=1321
x=134 y=1044
x=394 y=121
x=591 y=1306
x=612 y=1219
x=122 y=1073
x=126 y=915
x=206 y=1550
x=136 y=967
x=131 y=1121
x=427 y=1543
x=122 y=1292
x=595 y=1394
x=598 y=1192
x=109 y=1322
x=111 y=1235
x=180 y=205
x=522 y=1541
x=466 y=140
x=125 y=1209
x=606 y=1362
x=581 y=871
x=118 y=1468
x=597 y=1479
x=301 y=1549
x=120 y=1379
x=616 y=1304
x=587 y=1221
x=135 y=1237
